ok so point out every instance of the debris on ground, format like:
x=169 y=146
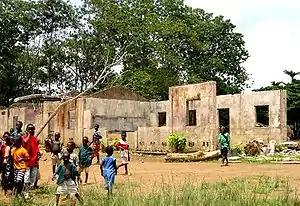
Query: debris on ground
x=257 y=151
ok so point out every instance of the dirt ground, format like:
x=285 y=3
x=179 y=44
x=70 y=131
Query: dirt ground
x=149 y=172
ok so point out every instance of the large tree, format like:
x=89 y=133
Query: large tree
x=17 y=25
x=170 y=44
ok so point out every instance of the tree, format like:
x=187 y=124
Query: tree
x=172 y=44
x=17 y=25
x=292 y=88
x=291 y=73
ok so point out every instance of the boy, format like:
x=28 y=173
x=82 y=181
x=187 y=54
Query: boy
x=224 y=141
x=73 y=156
x=20 y=158
x=85 y=156
x=56 y=146
x=66 y=174
x=18 y=130
x=30 y=143
x=109 y=169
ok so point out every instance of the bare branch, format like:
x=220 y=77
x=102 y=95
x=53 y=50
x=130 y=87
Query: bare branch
x=105 y=72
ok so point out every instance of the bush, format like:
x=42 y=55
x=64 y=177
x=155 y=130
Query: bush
x=177 y=142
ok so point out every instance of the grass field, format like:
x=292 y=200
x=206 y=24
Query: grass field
x=153 y=182
x=260 y=190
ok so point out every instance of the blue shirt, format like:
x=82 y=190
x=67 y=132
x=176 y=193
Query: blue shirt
x=108 y=164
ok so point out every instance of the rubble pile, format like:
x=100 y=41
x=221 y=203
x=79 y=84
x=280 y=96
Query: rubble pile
x=253 y=148
x=257 y=150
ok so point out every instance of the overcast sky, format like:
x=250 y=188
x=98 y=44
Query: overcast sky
x=271 y=30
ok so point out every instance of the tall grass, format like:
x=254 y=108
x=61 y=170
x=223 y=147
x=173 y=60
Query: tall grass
x=249 y=191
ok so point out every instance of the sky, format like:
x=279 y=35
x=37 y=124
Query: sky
x=271 y=30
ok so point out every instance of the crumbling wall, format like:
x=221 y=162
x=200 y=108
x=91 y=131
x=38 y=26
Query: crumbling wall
x=153 y=112
x=242 y=110
x=152 y=138
x=117 y=115
x=199 y=97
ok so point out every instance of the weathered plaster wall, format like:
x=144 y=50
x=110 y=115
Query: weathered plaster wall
x=154 y=109
x=117 y=114
x=243 y=115
x=202 y=97
x=152 y=138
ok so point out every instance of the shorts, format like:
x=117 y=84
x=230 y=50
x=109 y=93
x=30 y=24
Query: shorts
x=83 y=168
x=68 y=187
x=19 y=176
x=55 y=159
x=30 y=175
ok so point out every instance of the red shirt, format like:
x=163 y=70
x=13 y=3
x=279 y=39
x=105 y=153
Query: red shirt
x=122 y=144
x=32 y=147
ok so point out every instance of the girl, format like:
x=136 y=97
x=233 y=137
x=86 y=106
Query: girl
x=109 y=169
x=123 y=146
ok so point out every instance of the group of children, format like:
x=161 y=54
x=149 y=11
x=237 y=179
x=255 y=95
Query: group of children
x=67 y=174
x=19 y=160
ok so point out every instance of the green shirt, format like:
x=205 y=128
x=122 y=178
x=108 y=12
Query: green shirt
x=224 y=140
x=84 y=156
x=15 y=133
x=61 y=170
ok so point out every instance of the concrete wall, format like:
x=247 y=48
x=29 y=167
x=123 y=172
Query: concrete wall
x=142 y=117
x=243 y=115
x=117 y=114
x=152 y=138
x=154 y=109
x=201 y=97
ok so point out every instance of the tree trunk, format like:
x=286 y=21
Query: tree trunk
x=193 y=157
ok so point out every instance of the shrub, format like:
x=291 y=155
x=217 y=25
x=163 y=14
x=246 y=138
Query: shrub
x=177 y=142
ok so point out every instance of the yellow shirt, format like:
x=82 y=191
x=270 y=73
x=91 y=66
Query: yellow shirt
x=17 y=154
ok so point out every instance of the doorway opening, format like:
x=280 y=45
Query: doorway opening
x=224 y=118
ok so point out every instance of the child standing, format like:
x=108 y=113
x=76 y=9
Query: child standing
x=124 y=153
x=66 y=174
x=56 y=151
x=85 y=156
x=20 y=158
x=97 y=136
x=109 y=169
x=224 y=141
x=73 y=156
x=8 y=168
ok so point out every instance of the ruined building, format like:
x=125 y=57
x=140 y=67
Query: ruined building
x=195 y=110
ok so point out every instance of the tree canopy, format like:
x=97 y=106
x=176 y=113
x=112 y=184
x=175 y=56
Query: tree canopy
x=52 y=46
x=292 y=88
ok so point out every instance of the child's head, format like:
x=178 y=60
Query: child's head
x=109 y=150
x=9 y=140
x=11 y=130
x=222 y=129
x=66 y=157
x=18 y=141
x=57 y=136
x=97 y=127
x=19 y=125
x=30 y=129
x=70 y=147
x=85 y=140
x=123 y=135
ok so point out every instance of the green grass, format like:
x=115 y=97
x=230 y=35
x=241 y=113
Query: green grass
x=249 y=191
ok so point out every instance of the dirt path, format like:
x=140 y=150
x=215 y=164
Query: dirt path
x=151 y=172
